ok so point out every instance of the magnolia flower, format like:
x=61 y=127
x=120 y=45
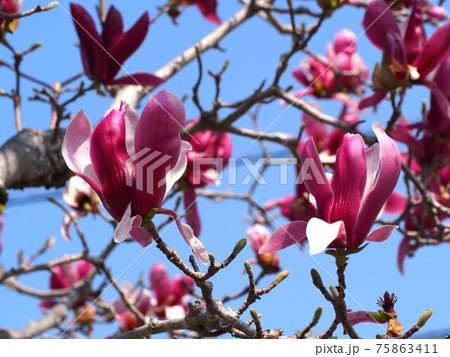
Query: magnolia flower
x=258 y=235
x=81 y=197
x=407 y=57
x=140 y=298
x=317 y=73
x=298 y=207
x=103 y=55
x=65 y=276
x=206 y=7
x=10 y=7
x=348 y=204
x=114 y=158
x=170 y=294
x=210 y=153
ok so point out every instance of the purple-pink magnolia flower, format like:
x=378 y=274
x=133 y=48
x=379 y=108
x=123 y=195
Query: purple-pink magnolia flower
x=170 y=294
x=65 y=276
x=258 y=235
x=318 y=73
x=348 y=204
x=298 y=207
x=407 y=57
x=140 y=298
x=210 y=153
x=110 y=158
x=103 y=54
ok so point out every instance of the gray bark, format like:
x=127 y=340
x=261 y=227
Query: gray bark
x=32 y=158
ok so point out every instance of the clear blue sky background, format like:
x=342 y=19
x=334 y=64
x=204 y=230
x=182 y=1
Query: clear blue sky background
x=254 y=51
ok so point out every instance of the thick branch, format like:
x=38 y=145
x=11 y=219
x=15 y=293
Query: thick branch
x=32 y=158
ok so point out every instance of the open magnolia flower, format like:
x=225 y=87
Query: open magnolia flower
x=171 y=295
x=132 y=162
x=103 y=54
x=347 y=204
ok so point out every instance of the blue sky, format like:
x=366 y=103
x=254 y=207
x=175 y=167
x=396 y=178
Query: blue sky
x=253 y=51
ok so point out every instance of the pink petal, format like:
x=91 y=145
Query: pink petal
x=139 y=79
x=373 y=99
x=124 y=226
x=131 y=121
x=435 y=51
x=345 y=42
x=396 y=203
x=186 y=231
x=208 y=9
x=140 y=235
x=158 y=131
x=76 y=149
x=378 y=20
x=90 y=42
x=192 y=215
x=127 y=43
x=110 y=160
x=112 y=28
x=321 y=234
x=349 y=180
x=284 y=236
x=403 y=250
x=389 y=171
x=381 y=233
x=83 y=268
x=415 y=36
x=315 y=180
x=258 y=235
x=175 y=173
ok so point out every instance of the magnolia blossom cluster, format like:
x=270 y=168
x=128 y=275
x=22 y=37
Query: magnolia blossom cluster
x=166 y=298
x=341 y=72
x=409 y=57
